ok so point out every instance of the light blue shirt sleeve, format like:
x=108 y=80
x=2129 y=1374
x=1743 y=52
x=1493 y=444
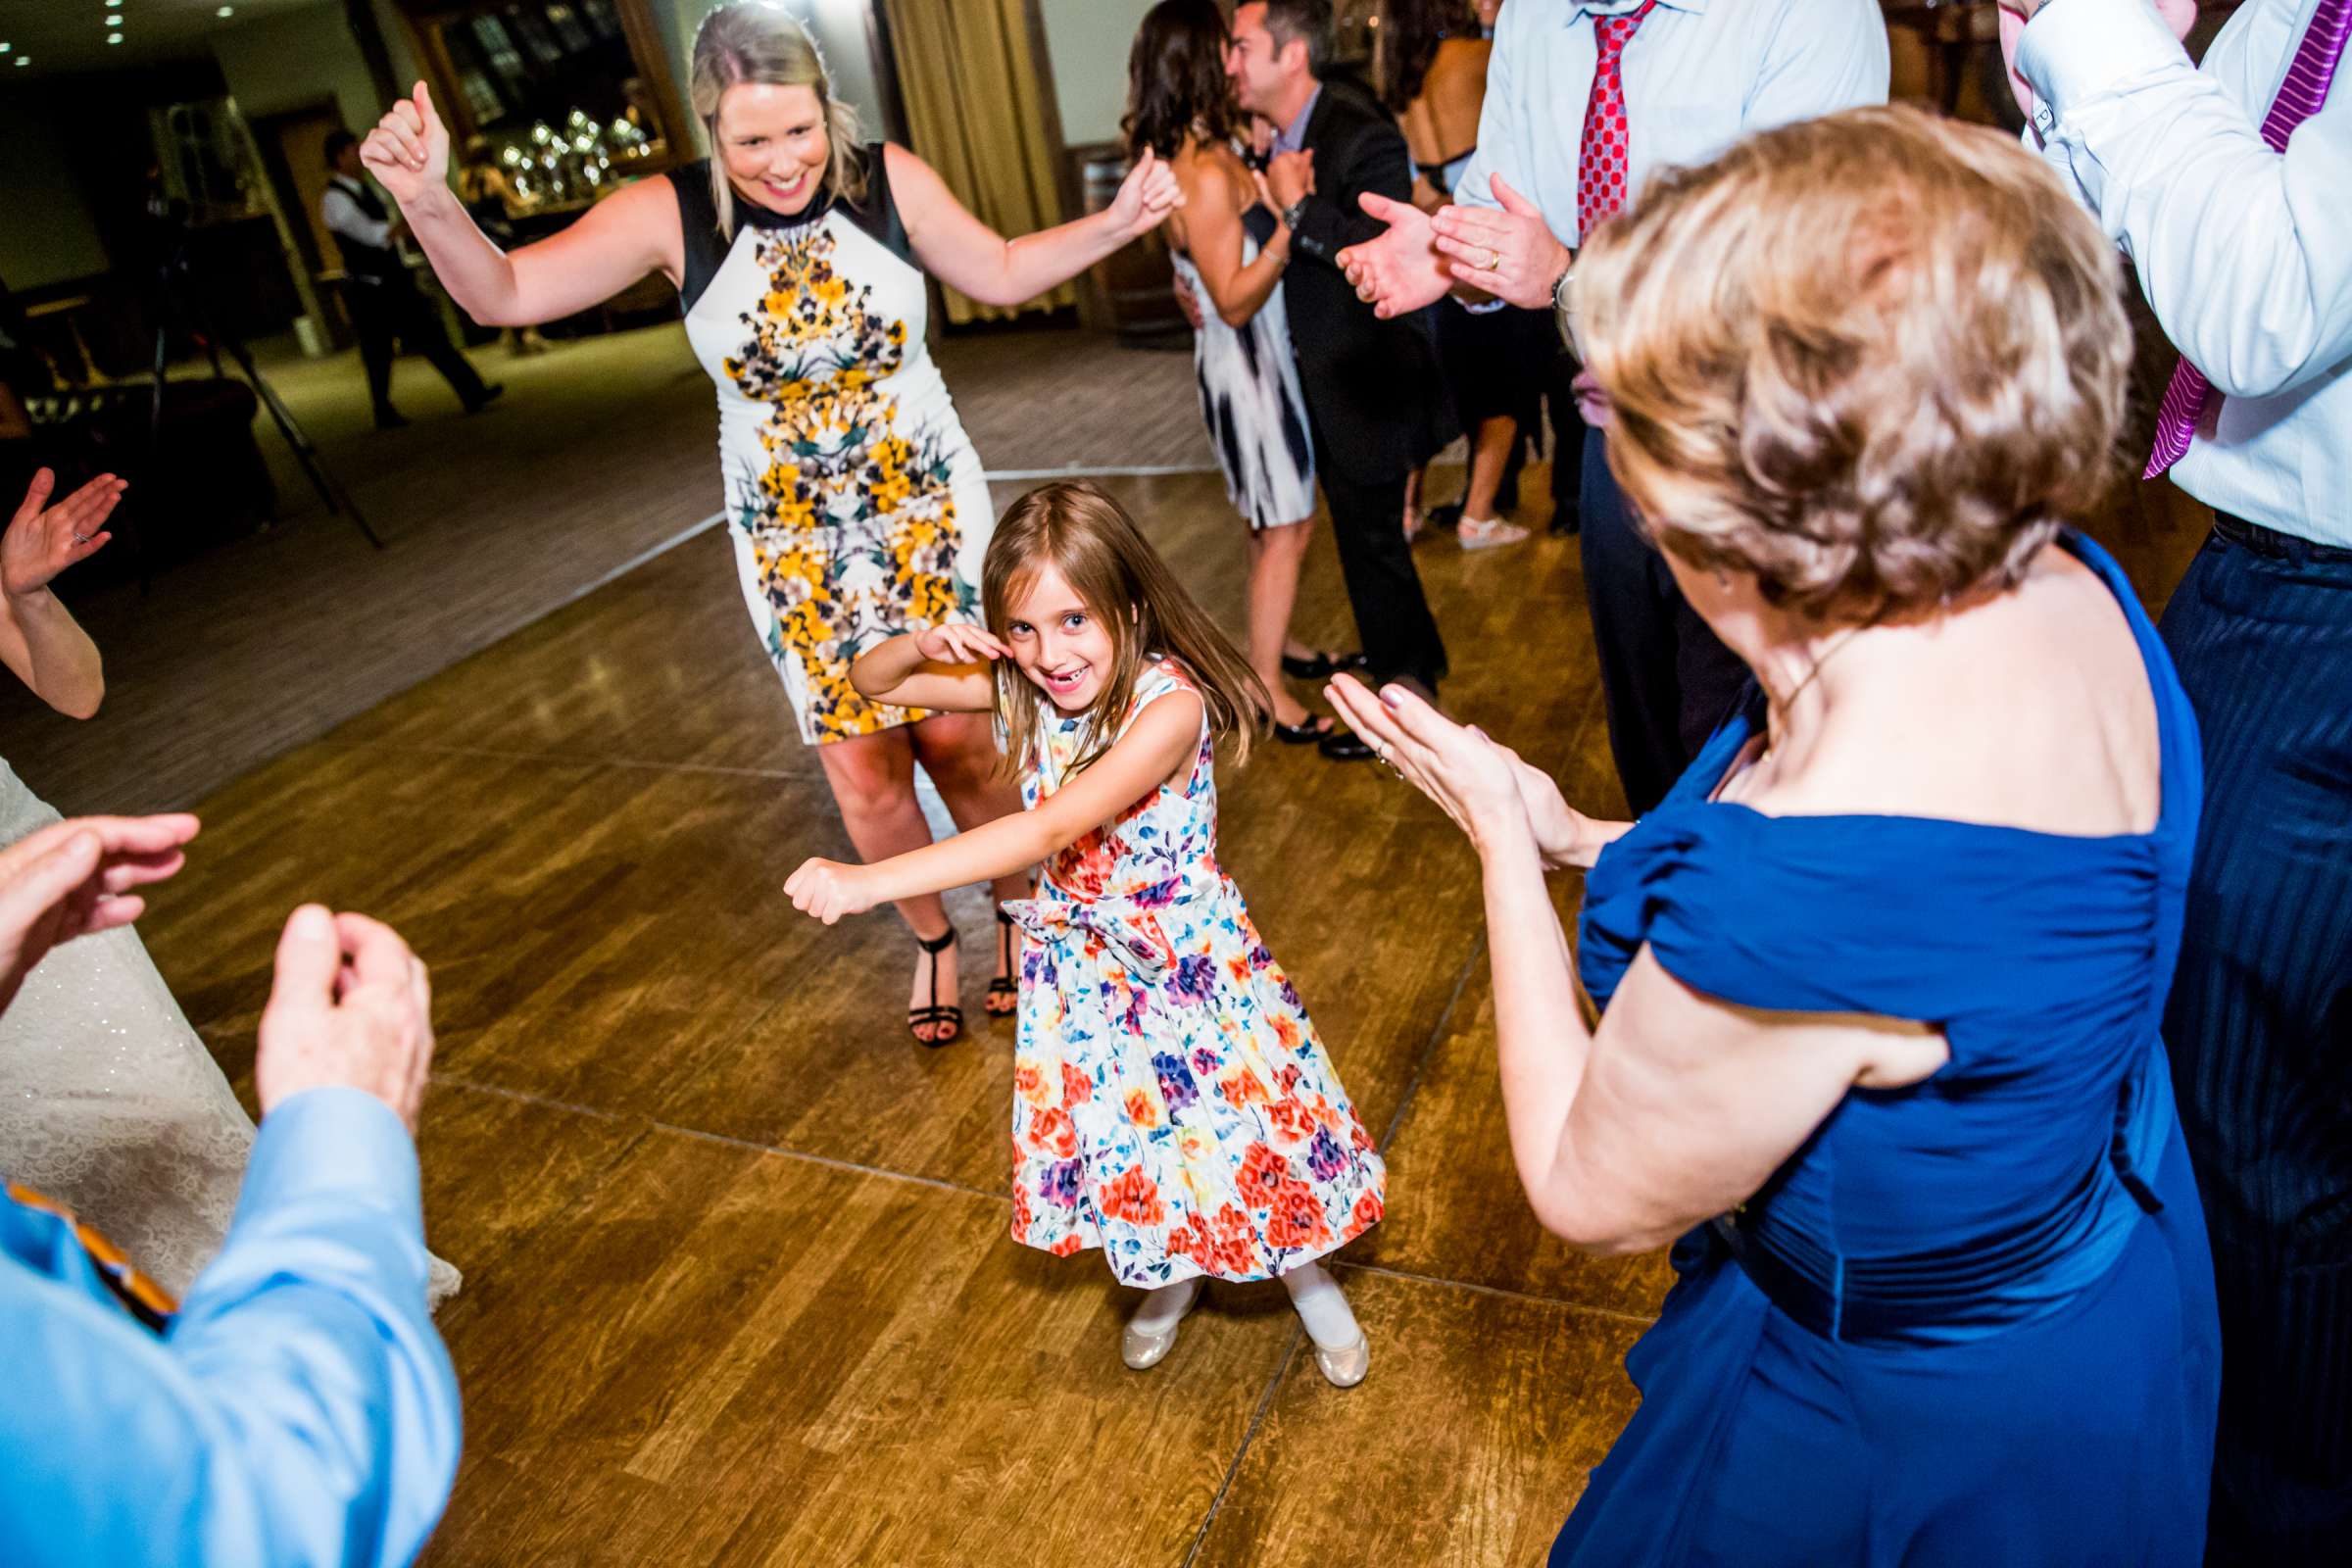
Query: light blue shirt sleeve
x=300 y=1411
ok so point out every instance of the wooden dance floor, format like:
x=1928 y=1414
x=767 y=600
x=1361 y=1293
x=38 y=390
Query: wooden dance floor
x=738 y=1288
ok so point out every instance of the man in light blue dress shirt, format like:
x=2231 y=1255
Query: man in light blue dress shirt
x=299 y=1410
x=1697 y=76
x=2244 y=251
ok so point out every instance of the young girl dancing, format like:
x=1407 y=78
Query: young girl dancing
x=1172 y=1105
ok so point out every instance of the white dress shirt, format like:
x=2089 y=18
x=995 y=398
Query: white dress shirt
x=1698 y=75
x=2244 y=254
x=341 y=211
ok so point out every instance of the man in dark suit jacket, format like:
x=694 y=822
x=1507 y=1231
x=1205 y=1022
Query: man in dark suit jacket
x=1372 y=387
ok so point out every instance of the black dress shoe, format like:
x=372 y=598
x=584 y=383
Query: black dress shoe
x=490 y=395
x=1448 y=516
x=390 y=419
x=1322 y=667
x=1307 y=734
x=1346 y=746
x=1564 y=522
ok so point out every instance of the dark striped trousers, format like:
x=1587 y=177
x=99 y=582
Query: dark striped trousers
x=2260 y=1028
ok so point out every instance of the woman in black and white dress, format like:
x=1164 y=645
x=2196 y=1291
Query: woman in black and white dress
x=1230 y=252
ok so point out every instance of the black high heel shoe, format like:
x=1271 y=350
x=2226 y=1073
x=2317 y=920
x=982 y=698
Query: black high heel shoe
x=1322 y=665
x=1004 y=997
x=945 y=1021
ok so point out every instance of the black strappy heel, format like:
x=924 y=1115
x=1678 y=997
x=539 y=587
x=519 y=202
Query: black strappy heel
x=947 y=1019
x=1004 y=996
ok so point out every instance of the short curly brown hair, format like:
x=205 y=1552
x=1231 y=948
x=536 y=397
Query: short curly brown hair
x=1876 y=359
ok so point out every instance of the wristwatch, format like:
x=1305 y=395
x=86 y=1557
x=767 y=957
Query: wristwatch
x=1292 y=213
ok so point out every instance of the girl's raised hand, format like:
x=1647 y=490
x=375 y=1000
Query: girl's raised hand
x=407 y=151
x=829 y=890
x=43 y=540
x=1146 y=196
x=959 y=643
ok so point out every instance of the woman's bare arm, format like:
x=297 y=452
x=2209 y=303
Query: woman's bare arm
x=615 y=243
x=973 y=259
x=1213 y=234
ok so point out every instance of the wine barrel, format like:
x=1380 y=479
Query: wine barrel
x=1134 y=282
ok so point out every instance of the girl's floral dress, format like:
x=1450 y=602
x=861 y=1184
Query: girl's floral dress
x=1171 y=1104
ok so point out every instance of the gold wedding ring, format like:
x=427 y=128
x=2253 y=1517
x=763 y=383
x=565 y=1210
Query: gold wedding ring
x=1494 y=260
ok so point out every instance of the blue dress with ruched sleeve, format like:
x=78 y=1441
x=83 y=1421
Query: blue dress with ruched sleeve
x=1970 y=1321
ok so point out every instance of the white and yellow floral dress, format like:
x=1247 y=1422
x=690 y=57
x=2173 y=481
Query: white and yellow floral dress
x=857 y=505
x=1172 y=1103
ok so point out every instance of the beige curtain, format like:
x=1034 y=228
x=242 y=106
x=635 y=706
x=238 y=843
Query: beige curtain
x=972 y=90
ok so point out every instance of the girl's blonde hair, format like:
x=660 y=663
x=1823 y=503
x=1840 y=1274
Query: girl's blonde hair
x=759 y=42
x=1087 y=537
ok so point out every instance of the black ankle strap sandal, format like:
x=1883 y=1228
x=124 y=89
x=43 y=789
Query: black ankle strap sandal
x=945 y=1020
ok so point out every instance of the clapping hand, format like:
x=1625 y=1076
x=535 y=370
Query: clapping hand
x=1470 y=777
x=350 y=1007
x=1146 y=196
x=72 y=878
x=959 y=643
x=1401 y=270
x=1508 y=251
x=407 y=151
x=829 y=890
x=43 y=540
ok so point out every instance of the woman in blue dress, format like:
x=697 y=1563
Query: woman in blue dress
x=1878 y=985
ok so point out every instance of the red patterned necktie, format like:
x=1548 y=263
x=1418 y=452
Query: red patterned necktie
x=1602 y=168
x=2299 y=98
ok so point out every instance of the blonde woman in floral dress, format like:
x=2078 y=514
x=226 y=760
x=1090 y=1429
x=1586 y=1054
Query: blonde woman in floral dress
x=855 y=503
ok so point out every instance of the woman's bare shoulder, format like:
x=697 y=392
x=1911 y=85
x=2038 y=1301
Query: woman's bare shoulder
x=1203 y=165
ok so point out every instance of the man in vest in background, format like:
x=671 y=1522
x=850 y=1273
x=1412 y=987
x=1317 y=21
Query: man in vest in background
x=385 y=302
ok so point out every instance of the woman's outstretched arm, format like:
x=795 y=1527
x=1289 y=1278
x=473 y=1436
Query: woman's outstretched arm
x=615 y=243
x=969 y=257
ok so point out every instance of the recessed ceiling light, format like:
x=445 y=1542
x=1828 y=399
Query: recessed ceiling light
x=114 y=38
x=226 y=11
x=24 y=60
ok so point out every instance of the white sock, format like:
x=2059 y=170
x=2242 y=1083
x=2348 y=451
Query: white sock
x=1321 y=1306
x=1162 y=1307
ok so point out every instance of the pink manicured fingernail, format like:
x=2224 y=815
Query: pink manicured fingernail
x=1390 y=695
